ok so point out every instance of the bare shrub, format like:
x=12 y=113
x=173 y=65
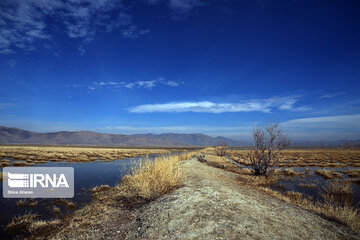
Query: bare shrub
x=268 y=146
x=221 y=149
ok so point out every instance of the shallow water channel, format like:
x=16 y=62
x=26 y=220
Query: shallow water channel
x=87 y=176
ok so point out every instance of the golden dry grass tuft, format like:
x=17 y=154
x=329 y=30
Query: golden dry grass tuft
x=328 y=174
x=29 y=224
x=21 y=223
x=289 y=172
x=100 y=188
x=150 y=179
x=304 y=185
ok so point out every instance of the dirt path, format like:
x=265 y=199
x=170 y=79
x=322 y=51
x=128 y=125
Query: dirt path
x=212 y=205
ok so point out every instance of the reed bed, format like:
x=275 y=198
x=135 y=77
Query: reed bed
x=30 y=155
x=329 y=158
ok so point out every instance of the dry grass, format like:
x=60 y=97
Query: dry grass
x=289 y=172
x=100 y=188
x=4 y=163
x=29 y=223
x=338 y=193
x=28 y=155
x=67 y=203
x=353 y=173
x=21 y=223
x=56 y=210
x=151 y=179
x=309 y=157
x=345 y=214
x=303 y=185
x=26 y=203
x=328 y=174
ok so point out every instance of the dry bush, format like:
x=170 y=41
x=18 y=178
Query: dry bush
x=221 y=150
x=151 y=179
x=268 y=146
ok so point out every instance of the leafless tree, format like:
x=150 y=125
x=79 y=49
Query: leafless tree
x=220 y=149
x=269 y=142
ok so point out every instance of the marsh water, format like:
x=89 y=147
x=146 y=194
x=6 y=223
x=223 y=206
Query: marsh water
x=87 y=176
x=294 y=183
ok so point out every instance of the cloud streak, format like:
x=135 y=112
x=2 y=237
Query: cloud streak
x=331 y=95
x=137 y=84
x=255 y=105
x=24 y=22
x=327 y=122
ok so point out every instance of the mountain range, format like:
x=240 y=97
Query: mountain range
x=20 y=136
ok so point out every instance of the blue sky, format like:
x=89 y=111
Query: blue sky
x=189 y=66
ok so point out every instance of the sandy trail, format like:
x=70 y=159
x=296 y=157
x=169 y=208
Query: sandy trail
x=213 y=205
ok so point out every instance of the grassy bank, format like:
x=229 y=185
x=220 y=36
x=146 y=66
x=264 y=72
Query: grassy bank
x=145 y=182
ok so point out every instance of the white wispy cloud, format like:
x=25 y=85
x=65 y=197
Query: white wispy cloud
x=339 y=122
x=254 y=105
x=331 y=95
x=24 y=22
x=137 y=84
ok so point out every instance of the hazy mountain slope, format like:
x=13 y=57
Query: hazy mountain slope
x=191 y=139
x=19 y=136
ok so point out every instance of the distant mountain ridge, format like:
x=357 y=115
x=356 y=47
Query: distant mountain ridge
x=20 y=136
